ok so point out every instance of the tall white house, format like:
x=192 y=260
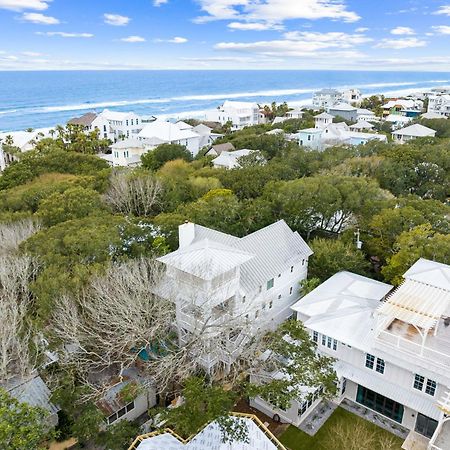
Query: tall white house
x=118 y=125
x=439 y=104
x=392 y=346
x=240 y=114
x=218 y=278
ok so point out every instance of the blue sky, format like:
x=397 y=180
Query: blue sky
x=225 y=34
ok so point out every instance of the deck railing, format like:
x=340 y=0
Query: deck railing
x=434 y=356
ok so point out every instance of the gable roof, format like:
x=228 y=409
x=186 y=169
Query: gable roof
x=343 y=107
x=219 y=148
x=362 y=125
x=416 y=130
x=274 y=247
x=85 y=120
x=165 y=131
x=202 y=129
x=127 y=143
x=230 y=159
x=183 y=125
x=324 y=115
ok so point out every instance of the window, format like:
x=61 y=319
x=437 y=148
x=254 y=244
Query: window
x=380 y=365
x=279 y=275
x=279 y=296
x=309 y=137
x=418 y=382
x=132 y=122
x=334 y=344
x=324 y=339
x=243 y=299
x=329 y=342
x=270 y=284
x=121 y=412
x=292 y=268
x=303 y=262
x=315 y=336
x=370 y=360
x=430 y=388
x=290 y=290
x=270 y=304
x=127 y=122
x=256 y=314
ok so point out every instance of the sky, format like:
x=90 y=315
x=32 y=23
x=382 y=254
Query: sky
x=225 y=34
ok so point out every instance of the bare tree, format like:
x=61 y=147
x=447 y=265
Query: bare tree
x=14 y=233
x=17 y=341
x=133 y=193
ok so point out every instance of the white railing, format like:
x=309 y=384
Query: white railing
x=436 y=357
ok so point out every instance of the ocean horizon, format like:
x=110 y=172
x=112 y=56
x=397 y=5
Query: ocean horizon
x=37 y=99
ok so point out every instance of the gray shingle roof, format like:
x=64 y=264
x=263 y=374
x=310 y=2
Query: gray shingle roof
x=85 y=119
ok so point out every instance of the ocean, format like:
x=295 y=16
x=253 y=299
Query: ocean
x=48 y=98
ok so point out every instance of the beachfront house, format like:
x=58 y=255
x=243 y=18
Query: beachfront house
x=352 y=96
x=344 y=110
x=367 y=115
x=412 y=132
x=295 y=113
x=164 y=132
x=391 y=346
x=439 y=104
x=245 y=284
x=239 y=114
x=115 y=125
x=231 y=160
x=326 y=98
x=19 y=142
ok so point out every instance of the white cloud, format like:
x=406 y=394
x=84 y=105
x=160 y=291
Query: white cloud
x=442 y=29
x=275 y=11
x=116 y=20
x=175 y=40
x=64 y=34
x=159 y=2
x=40 y=19
x=20 y=5
x=302 y=43
x=444 y=9
x=254 y=26
x=403 y=31
x=32 y=54
x=398 y=44
x=133 y=39
x=361 y=30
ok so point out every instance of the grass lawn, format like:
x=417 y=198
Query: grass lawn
x=327 y=439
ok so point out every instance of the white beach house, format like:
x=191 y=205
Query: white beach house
x=116 y=125
x=439 y=104
x=253 y=280
x=392 y=347
x=412 y=132
x=230 y=160
x=326 y=98
x=240 y=114
x=164 y=132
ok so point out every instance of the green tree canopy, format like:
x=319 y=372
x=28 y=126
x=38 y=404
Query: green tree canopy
x=156 y=158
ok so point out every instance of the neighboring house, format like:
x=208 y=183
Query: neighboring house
x=344 y=110
x=392 y=346
x=254 y=280
x=294 y=114
x=352 y=96
x=127 y=397
x=24 y=141
x=230 y=160
x=116 y=125
x=367 y=115
x=163 y=132
x=91 y=122
x=326 y=98
x=84 y=121
x=412 y=132
x=432 y=115
x=400 y=106
x=207 y=136
x=323 y=120
x=125 y=153
x=335 y=134
x=211 y=438
x=240 y=114
x=33 y=391
x=217 y=149
x=397 y=121
x=361 y=126
x=439 y=104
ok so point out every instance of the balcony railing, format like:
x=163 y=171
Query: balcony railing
x=434 y=356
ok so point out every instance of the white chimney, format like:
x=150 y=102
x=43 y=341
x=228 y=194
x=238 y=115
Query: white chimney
x=186 y=234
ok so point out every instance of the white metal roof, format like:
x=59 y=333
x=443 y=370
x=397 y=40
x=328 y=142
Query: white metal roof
x=343 y=107
x=183 y=125
x=274 y=247
x=415 y=130
x=210 y=438
x=116 y=115
x=324 y=115
x=430 y=272
x=362 y=125
x=165 y=131
x=230 y=159
x=127 y=143
x=206 y=259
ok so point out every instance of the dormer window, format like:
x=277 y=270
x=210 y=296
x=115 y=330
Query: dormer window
x=270 y=284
